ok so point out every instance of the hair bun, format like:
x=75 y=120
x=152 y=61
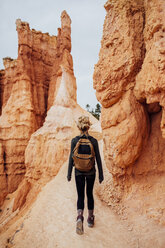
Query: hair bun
x=83 y=123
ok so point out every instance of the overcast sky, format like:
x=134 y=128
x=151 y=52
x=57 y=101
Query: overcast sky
x=86 y=31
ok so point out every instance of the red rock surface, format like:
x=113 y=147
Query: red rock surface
x=49 y=146
x=129 y=81
x=28 y=87
x=150 y=81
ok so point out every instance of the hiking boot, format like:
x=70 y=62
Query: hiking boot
x=90 y=221
x=79 y=225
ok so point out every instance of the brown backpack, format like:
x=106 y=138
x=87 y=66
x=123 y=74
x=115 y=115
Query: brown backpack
x=84 y=155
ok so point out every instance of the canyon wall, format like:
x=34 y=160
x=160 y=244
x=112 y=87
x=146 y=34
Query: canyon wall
x=28 y=89
x=24 y=95
x=129 y=81
x=39 y=111
x=49 y=146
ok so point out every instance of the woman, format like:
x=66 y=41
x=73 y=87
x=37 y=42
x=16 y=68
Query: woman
x=85 y=177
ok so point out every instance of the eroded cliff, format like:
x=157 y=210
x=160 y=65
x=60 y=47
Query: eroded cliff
x=129 y=81
x=38 y=119
x=24 y=99
x=39 y=111
x=29 y=86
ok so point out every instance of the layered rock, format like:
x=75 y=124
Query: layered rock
x=6 y=80
x=124 y=121
x=2 y=74
x=124 y=130
x=129 y=81
x=49 y=146
x=27 y=87
x=17 y=123
x=150 y=82
x=122 y=50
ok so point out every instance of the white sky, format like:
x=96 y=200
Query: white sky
x=86 y=31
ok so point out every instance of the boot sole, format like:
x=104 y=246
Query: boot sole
x=79 y=227
x=90 y=225
x=90 y=222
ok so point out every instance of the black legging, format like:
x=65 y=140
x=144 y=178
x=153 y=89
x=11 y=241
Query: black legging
x=80 y=185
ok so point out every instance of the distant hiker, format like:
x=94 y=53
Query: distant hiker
x=84 y=151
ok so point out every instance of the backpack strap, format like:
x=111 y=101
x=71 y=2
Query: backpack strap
x=90 y=144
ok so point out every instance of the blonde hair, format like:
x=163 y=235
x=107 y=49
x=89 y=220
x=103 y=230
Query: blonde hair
x=83 y=123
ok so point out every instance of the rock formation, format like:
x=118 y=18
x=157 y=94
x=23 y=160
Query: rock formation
x=39 y=82
x=129 y=81
x=150 y=85
x=39 y=110
x=49 y=146
x=124 y=121
x=51 y=90
x=24 y=86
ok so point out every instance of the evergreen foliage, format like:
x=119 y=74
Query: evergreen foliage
x=95 y=112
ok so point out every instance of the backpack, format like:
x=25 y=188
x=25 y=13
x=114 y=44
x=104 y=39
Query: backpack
x=84 y=155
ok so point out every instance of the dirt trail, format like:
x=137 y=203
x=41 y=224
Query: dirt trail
x=51 y=221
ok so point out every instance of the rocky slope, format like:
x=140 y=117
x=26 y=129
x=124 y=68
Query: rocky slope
x=51 y=222
x=129 y=81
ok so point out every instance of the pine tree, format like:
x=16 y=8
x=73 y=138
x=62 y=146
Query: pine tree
x=96 y=112
x=87 y=107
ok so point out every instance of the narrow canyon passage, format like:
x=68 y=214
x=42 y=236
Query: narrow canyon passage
x=51 y=221
x=39 y=112
x=52 y=218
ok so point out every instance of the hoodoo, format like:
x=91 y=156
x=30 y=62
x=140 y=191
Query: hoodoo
x=39 y=83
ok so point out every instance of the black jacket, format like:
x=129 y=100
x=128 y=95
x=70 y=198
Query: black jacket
x=97 y=154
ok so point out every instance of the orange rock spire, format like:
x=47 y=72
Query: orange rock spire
x=28 y=86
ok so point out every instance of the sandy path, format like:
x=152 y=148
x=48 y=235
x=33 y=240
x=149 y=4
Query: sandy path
x=51 y=221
